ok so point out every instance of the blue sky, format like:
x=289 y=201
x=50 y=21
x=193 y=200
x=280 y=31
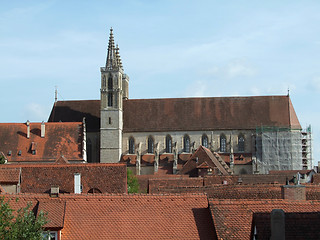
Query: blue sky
x=168 y=48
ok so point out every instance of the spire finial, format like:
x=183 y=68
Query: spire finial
x=111 y=55
x=55 y=94
x=288 y=91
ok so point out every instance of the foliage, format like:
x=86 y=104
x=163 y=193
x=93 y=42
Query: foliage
x=132 y=182
x=21 y=224
x=2 y=159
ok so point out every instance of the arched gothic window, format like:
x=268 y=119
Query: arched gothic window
x=168 y=144
x=150 y=144
x=110 y=99
x=110 y=83
x=205 y=141
x=223 y=143
x=241 y=143
x=186 y=143
x=131 y=145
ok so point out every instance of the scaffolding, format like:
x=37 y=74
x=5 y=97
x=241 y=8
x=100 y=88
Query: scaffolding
x=307 y=148
x=278 y=148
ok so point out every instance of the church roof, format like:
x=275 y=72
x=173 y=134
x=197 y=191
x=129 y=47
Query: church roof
x=187 y=114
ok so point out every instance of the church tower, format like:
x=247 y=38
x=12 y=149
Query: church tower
x=114 y=88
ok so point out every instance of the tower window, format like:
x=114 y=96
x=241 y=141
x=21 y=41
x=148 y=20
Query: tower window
x=241 y=143
x=205 y=140
x=110 y=83
x=131 y=145
x=186 y=143
x=168 y=144
x=150 y=145
x=109 y=120
x=223 y=143
x=104 y=82
x=110 y=99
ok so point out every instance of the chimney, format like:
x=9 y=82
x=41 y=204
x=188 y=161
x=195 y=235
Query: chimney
x=54 y=192
x=28 y=129
x=77 y=183
x=293 y=192
x=278 y=225
x=43 y=129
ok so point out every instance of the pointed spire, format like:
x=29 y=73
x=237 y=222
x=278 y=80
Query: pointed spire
x=118 y=57
x=112 y=61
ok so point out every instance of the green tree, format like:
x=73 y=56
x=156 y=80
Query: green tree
x=132 y=182
x=21 y=224
x=2 y=159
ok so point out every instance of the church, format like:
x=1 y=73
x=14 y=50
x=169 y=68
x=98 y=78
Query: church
x=251 y=135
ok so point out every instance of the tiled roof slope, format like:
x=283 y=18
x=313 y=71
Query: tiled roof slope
x=186 y=114
x=60 y=139
x=125 y=216
x=106 y=177
x=55 y=209
x=208 y=113
x=204 y=155
x=75 y=111
x=233 y=218
x=139 y=217
x=9 y=175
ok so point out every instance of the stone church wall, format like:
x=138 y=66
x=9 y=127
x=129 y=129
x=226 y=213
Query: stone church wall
x=195 y=137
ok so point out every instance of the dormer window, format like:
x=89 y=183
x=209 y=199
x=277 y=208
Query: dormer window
x=19 y=153
x=33 y=148
x=10 y=153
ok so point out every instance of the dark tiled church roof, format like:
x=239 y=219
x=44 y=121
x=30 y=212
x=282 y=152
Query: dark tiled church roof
x=187 y=114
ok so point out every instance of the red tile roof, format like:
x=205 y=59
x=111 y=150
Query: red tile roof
x=233 y=218
x=126 y=216
x=11 y=175
x=186 y=114
x=55 y=209
x=60 y=139
x=107 y=177
x=138 y=217
x=204 y=155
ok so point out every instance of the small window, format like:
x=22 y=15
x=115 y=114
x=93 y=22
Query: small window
x=205 y=140
x=109 y=120
x=19 y=153
x=241 y=143
x=150 y=145
x=223 y=143
x=50 y=236
x=131 y=145
x=168 y=144
x=186 y=144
